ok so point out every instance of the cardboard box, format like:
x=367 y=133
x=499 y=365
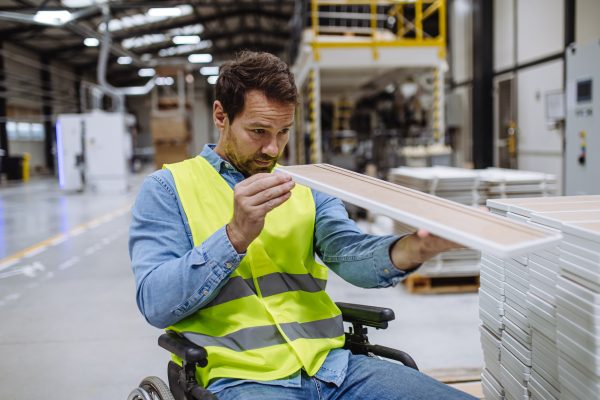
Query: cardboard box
x=169 y=154
x=172 y=124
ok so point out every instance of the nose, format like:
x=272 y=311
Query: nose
x=270 y=148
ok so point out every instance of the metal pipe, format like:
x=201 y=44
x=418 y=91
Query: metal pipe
x=105 y=44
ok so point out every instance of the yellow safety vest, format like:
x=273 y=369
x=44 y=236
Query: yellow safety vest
x=273 y=316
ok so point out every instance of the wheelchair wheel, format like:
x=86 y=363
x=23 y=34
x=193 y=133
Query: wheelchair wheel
x=155 y=388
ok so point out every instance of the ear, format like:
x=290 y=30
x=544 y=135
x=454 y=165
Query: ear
x=219 y=116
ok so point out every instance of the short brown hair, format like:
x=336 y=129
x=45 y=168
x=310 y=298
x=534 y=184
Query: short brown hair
x=254 y=71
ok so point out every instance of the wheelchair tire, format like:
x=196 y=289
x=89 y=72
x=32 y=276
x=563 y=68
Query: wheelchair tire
x=156 y=388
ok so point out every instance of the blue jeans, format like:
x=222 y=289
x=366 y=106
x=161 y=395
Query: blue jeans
x=367 y=378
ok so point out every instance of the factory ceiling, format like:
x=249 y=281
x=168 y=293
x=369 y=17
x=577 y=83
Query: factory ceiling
x=224 y=26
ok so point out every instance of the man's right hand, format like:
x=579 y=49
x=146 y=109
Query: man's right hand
x=253 y=199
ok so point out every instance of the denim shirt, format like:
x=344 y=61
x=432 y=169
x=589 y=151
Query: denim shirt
x=174 y=278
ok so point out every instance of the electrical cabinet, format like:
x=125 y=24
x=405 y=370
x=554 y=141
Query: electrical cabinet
x=582 y=124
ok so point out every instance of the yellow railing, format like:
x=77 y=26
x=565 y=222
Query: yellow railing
x=424 y=9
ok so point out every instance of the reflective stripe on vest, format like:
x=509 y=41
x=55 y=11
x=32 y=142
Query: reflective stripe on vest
x=257 y=337
x=270 y=285
x=272 y=317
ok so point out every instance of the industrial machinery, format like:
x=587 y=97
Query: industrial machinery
x=582 y=128
x=94 y=151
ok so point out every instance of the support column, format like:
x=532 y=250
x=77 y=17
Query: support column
x=483 y=83
x=50 y=134
x=438 y=109
x=314 y=97
x=3 y=133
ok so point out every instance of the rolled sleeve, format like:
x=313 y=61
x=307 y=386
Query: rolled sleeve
x=385 y=270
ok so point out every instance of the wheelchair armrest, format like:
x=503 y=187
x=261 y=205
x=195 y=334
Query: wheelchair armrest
x=376 y=317
x=182 y=348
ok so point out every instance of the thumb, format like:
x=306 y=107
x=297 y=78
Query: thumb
x=422 y=233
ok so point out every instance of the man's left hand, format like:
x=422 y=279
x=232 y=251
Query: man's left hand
x=414 y=249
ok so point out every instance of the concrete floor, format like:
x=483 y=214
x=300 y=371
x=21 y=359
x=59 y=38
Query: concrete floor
x=70 y=325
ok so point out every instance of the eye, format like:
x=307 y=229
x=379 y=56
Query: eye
x=259 y=130
x=286 y=130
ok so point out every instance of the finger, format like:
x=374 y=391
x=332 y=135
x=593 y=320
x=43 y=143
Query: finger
x=266 y=182
x=276 y=202
x=253 y=179
x=271 y=193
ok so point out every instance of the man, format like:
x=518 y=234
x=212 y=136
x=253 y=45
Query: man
x=223 y=253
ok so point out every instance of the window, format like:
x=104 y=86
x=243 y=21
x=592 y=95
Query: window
x=24 y=130
x=37 y=132
x=11 y=130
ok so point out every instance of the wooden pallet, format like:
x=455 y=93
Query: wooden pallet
x=416 y=283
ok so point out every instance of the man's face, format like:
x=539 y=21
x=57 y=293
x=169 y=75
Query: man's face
x=255 y=140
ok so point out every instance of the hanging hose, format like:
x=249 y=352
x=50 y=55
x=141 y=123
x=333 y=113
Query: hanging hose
x=117 y=95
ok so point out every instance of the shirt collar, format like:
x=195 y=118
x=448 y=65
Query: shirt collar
x=208 y=153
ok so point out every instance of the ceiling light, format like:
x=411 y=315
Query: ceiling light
x=212 y=79
x=124 y=60
x=165 y=81
x=209 y=70
x=165 y=12
x=52 y=17
x=91 y=42
x=146 y=72
x=191 y=39
x=200 y=58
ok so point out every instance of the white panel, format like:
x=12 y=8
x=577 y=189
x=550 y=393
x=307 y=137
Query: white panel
x=539 y=146
x=460 y=31
x=504 y=55
x=587 y=28
x=540 y=29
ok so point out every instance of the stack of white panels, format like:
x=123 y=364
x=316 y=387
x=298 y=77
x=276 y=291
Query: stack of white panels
x=455 y=184
x=535 y=363
x=491 y=312
x=510 y=183
x=578 y=311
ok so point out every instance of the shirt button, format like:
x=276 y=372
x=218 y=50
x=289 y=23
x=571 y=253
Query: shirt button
x=228 y=265
x=205 y=293
x=387 y=271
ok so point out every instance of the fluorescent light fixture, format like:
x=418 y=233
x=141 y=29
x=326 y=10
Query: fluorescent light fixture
x=52 y=17
x=124 y=60
x=200 y=58
x=60 y=155
x=165 y=12
x=146 y=72
x=212 y=79
x=188 y=39
x=209 y=70
x=165 y=81
x=91 y=42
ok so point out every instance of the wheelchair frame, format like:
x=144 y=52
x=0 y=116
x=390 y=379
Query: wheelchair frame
x=182 y=379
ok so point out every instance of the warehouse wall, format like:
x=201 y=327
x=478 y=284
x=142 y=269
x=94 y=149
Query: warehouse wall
x=526 y=31
x=587 y=27
x=24 y=103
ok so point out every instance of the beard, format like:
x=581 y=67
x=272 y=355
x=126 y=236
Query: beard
x=247 y=166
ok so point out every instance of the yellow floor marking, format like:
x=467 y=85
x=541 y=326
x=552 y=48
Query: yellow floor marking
x=49 y=241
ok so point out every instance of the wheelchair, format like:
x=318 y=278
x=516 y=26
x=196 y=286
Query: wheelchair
x=182 y=381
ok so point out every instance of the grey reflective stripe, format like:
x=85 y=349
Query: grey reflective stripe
x=245 y=339
x=277 y=283
x=258 y=337
x=321 y=329
x=235 y=288
x=271 y=284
